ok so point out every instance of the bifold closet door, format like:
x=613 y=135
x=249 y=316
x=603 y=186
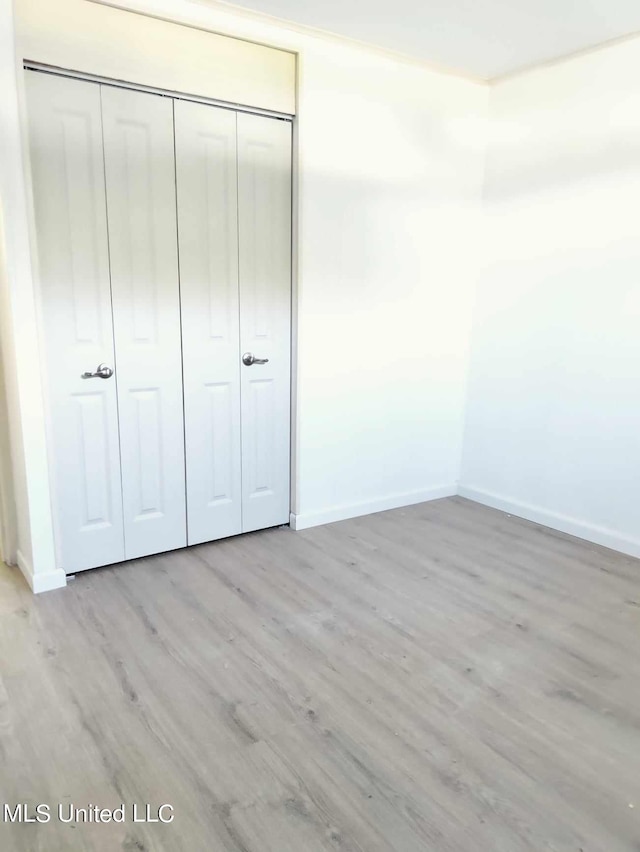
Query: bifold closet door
x=122 y=327
x=264 y=235
x=206 y=173
x=234 y=224
x=141 y=212
x=73 y=273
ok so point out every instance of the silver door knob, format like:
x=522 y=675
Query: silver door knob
x=103 y=371
x=249 y=358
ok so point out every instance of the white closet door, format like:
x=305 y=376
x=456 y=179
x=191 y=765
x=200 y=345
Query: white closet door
x=264 y=207
x=207 y=226
x=73 y=272
x=140 y=180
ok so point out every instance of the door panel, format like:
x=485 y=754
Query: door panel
x=147 y=426
x=140 y=181
x=73 y=270
x=93 y=450
x=207 y=225
x=264 y=217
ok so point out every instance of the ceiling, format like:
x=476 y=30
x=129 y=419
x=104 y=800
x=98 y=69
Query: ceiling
x=484 y=39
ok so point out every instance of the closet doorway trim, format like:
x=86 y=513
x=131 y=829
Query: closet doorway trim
x=180 y=96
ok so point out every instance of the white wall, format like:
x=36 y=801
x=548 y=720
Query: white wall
x=391 y=160
x=553 y=421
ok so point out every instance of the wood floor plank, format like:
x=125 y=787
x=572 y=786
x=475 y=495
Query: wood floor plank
x=441 y=677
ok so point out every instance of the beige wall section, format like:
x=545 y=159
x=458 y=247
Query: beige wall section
x=97 y=39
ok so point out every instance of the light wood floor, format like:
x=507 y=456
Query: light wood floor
x=442 y=677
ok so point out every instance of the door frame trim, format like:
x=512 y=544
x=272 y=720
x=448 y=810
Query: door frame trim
x=28 y=65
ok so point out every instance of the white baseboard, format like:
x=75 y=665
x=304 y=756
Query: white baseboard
x=573 y=526
x=57 y=579
x=354 y=510
x=44 y=581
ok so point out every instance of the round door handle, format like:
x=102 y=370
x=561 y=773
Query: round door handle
x=103 y=371
x=249 y=358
